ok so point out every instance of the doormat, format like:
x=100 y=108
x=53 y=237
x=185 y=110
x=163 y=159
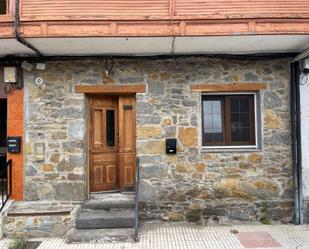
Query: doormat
x=257 y=240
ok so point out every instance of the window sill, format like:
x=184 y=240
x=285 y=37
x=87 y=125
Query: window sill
x=230 y=149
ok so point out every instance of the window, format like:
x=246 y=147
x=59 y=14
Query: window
x=2 y=7
x=110 y=128
x=229 y=120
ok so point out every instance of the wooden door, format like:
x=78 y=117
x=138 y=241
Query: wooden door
x=103 y=144
x=112 y=143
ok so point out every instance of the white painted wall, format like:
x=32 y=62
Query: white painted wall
x=304 y=100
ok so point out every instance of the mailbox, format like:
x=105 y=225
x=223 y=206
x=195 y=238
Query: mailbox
x=13 y=144
x=171 y=146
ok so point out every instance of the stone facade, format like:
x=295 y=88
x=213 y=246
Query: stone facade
x=40 y=219
x=195 y=185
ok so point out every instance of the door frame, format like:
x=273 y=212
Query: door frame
x=90 y=90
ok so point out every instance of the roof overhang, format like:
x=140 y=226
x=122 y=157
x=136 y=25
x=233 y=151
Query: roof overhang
x=143 y=46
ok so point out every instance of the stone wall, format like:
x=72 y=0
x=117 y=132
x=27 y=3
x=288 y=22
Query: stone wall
x=196 y=184
x=40 y=219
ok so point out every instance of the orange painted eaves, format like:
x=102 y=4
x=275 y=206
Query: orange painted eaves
x=142 y=18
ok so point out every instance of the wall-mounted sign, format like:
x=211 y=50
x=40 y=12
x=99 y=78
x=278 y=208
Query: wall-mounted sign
x=13 y=144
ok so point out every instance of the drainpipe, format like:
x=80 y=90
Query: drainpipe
x=17 y=34
x=296 y=143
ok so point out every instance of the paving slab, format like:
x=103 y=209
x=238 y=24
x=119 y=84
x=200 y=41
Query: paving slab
x=190 y=236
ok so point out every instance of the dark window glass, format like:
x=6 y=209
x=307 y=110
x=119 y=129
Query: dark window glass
x=240 y=119
x=110 y=128
x=2 y=7
x=228 y=120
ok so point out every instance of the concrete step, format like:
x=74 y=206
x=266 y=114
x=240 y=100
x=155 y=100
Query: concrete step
x=109 y=201
x=106 y=219
x=101 y=235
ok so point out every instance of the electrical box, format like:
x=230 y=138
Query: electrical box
x=10 y=75
x=171 y=146
x=13 y=144
x=39 y=152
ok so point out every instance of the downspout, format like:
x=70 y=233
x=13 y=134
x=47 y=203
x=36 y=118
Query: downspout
x=296 y=143
x=16 y=29
x=299 y=146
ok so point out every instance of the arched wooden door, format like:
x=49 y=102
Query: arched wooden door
x=112 y=143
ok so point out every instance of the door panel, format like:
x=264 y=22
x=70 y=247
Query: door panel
x=98 y=128
x=127 y=142
x=103 y=146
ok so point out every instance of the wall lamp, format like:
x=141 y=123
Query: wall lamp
x=12 y=78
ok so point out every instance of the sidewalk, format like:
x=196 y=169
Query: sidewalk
x=181 y=236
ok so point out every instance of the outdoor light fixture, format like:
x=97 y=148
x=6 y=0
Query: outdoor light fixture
x=12 y=78
x=108 y=68
x=10 y=75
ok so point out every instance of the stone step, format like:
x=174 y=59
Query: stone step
x=106 y=219
x=112 y=196
x=101 y=235
x=111 y=201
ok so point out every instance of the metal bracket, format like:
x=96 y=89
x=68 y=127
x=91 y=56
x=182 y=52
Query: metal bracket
x=127 y=107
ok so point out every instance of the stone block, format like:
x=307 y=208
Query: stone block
x=55 y=158
x=170 y=131
x=143 y=119
x=154 y=171
x=64 y=166
x=176 y=196
x=188 y=136
x=172 y=216
x=144 y=108
x=200 y=167
x=70 y=113
x=77 y=161
x=272 y=120
x=250 y=76
x=184 y=167
x=146 y=131
x=47 y=168
x=144 y=159
x=147 y=193
x=255 y=158
x=210 y=157
x=153 y=147
x=278 y=138
x=69 y=191
x=76 y=130
x=155 y=87
x=73 y=146
x=167 y=122
x=193 y=215
x=30 y=170
x=271 y=100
